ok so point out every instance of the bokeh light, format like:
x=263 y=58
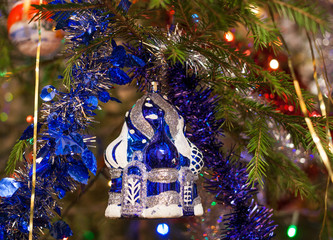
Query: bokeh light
x=274 y=64
x=229 y=36
x=292 y=230
x=162 y=229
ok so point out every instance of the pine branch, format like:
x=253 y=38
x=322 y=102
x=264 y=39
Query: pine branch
x=258 y=145
x=126 y=21
x=305 y=14
x=320 y=127
x=286 y=176
x=47 y=10
x=16 y=155
x=185 y=16
x=175 y=53
x=264 y=34
x=158 y=3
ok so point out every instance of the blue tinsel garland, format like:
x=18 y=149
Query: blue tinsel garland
x=228 y=181
x=64 y=158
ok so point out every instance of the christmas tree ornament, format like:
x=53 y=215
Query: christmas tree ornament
x=25 y=34
x=153 y=165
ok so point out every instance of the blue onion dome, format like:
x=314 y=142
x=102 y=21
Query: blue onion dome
x=161 y=152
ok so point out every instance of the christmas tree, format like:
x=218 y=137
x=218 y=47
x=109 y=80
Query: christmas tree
x=229 y=69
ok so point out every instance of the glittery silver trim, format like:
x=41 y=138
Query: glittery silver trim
x=138 y=121
x=114 y=198
x=164 y=198
x=132 y=205
x=163 y=175
x=171 y=115
x=186 y=179
x=115 y=172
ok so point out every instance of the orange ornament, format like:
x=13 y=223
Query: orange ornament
x=25 y=34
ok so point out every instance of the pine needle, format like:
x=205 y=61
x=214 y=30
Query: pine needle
x=16 y=156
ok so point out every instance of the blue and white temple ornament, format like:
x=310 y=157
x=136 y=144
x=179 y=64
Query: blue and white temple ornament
x=153 y=165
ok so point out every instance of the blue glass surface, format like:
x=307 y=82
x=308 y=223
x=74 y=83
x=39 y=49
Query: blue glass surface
x=161 y=152
x=89 y=160
x=28 y=132
x=155 y=188
x=149 y=108
x=104 y=96
x=116 y=185
x=118 y=76
x=134 y=140
x=183 y=161
x=8 y=186
x=48 y=93
x=195 y=191
x=78 y=172
x=60 y=191
x=114 y=152
x=91 y=102
x=134 y=170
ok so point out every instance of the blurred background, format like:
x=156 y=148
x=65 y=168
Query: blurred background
x=84 y=209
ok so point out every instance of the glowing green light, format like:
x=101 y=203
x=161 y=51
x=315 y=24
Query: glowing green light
x=292 y=230
x=213 y=203
x=88 y=235
x=2 y=74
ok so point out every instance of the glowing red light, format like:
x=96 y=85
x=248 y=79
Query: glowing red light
x=247 y=52
x=29 y=119
x=229 y=36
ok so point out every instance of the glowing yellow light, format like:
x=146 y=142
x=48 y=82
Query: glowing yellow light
x=3 y=117
x=109 y=183
x=229 y=36
x=8 y=97
x=274 y=64
x=254 y=9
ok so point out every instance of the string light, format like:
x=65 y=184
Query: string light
x=195 y=17
x=2 y=74
x=88 y=235
x=292 y=230
x=109 y=183
x=162 y=229
x=274 y=64
x=229 y=36
x=29 y=119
